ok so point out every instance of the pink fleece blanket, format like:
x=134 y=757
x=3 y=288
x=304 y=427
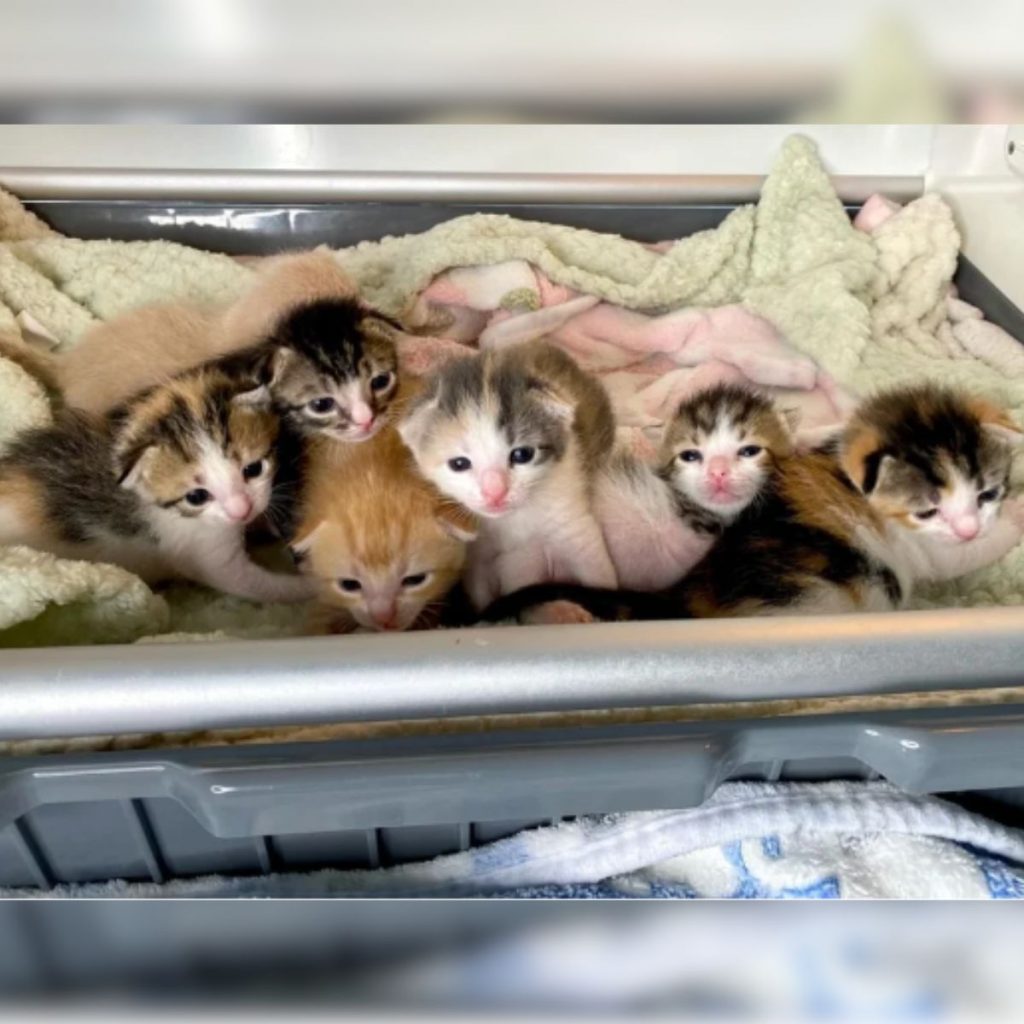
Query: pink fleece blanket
x=649 y=363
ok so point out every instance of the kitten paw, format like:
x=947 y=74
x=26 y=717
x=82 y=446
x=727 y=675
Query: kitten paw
x=556 y=613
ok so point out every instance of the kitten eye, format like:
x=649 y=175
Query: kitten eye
x=748 y=451
x=459 y=464
x=690 y=455
x=253 y=470
x=415 y=580
x=380 y=382
x=990 y=495
x=927 y=514
x=321 y=406
x=521 y=456
x=199 y=497
x=350 y=586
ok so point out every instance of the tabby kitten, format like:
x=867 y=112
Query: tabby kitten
x=165 y=489
x=717 y=451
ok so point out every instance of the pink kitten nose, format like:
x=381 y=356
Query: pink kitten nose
x=494 y=487
x=238 y=507
x=966 y=528
x=385 y=618
x=718 y=470
x=362 y=415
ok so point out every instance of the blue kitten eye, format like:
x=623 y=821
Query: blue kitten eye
x=199 y=497
x=253 y=470
x=521 y=456
x=380 y=382
x=990 y=495
x=690 y=455
x=414 y=580
x=748 y=451
x=930 y=513
x=350 y=586
x=459 y=464
x=321 y=406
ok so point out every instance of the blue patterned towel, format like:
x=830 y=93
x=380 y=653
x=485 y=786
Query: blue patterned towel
x=750 y=840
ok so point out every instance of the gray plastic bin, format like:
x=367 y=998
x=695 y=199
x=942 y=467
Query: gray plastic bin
x=158 y=814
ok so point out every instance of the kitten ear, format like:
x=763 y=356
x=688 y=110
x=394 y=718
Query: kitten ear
x=1005 y=430
x=413 y=425
x=131 y=465
x=790 y=420
x=883 y=474
x=997 y=422
x=557 y=404
x=456 y=521
x=257 y=397
x=377 y=325
x=280 y=359
x=300 y=545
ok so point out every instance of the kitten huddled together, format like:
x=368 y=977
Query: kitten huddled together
x=914 y=489
x=494 y=489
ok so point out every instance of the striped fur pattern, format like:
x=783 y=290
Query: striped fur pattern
x=718 y=451
x=659 y=521
x=839 y=530
x=164 y=488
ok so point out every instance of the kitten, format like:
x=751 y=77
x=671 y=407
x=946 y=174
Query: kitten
x=164 y=490
x=717 y=451
x=517 y=436
x=914 y=490
x=328 y=361
x=384 y=546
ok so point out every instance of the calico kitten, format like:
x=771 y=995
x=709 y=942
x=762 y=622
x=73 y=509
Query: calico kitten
x=517 y=436
x=914 y=490
x=164 y=490
x=329 y=362
x=659 y=521
x=383 y=545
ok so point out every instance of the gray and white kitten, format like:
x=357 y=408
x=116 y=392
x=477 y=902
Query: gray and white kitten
x=517 y=436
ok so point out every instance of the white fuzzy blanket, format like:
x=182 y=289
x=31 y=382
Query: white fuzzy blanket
x=871 y=308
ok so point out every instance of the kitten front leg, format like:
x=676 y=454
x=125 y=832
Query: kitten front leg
x=1003 y=536
x=481 y=575
x=584 y=554
x=521 y=567
x=238 y=575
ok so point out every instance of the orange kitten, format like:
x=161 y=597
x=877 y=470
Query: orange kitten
x=384 y=545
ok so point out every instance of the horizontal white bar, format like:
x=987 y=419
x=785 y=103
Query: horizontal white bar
x=234 y=186
x=54 y=692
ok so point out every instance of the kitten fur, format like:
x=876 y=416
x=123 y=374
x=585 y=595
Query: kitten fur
x=370 y=528
x=914 y=490
x=517 y=436
x=299 y=327
x=716 y=453
x=164 y=490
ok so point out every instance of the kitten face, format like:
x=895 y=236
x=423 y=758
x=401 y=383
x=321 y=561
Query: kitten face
x=387 y=574
x=197 y=447
x=719 y=448
x=932 y=461
x=487 y=435
x=335 y=370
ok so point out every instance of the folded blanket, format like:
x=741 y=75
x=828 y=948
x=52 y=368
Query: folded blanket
x=749 y=841
x=866 y=306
